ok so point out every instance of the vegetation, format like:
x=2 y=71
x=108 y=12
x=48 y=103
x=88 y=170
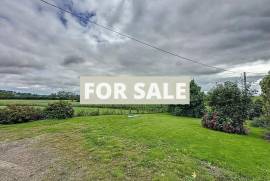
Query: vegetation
x=263 y=122
x=59 y=110
x=19 y=114
x=61 y=95
x=213 y=120
x=88 y=109
x=147 y=147
x=265 y=86
x=196 y=107
x=229 y=105
x=256 y=109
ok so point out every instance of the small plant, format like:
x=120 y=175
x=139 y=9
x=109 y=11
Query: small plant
x=59 y=110
x=19 y=114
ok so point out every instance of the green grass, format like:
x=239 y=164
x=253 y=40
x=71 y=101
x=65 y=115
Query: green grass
x=5 y=102
x=42 y=103
x=77 y=107
x=152 y=146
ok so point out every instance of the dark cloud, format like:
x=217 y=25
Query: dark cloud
x=73 y=60
x=18 y=61
x=11 y=71
x=37 y=50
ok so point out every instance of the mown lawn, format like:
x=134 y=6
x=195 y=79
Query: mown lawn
x=152 y=146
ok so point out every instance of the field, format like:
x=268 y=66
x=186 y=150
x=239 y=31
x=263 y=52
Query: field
x=88 y=109
x=115 y=147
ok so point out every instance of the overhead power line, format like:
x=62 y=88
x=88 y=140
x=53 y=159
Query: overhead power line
x=110 y=28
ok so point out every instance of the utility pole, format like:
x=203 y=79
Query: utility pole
x=245 y=83
x=245 y=95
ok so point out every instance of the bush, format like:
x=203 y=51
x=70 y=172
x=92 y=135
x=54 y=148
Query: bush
x=19 y=114
x=262 y=121
x=177 y=111
x=59 y=110
x=219 y=122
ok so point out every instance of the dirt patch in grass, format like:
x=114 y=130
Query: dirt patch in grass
x=21 y=160
x=45 y=157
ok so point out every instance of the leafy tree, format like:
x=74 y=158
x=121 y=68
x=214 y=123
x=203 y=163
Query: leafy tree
x=196 y=107
x=256 y=109
x=6 y=94
x=63 y=95
x=265 y=86
x=231 y=102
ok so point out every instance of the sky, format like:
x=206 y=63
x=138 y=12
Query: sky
x=45 y=50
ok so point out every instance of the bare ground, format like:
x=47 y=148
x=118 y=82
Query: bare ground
x=34 y=159
x=21 y=160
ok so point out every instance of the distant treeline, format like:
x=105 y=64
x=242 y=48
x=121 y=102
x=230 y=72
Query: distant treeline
x=61 y=95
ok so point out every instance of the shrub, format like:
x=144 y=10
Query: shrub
x=19 y=114
x=59 y=110
x=216 y=121
x=177 y=111
x=262 y=121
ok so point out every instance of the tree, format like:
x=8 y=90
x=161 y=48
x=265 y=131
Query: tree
x=256 y=109
x=265 y=86
x=196 y=107
x=63 y=95
x=231 y=103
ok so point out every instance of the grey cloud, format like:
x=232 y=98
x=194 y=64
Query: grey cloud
x=35 y=47
x=6 y=70
x=73 y=60
x=19 y=61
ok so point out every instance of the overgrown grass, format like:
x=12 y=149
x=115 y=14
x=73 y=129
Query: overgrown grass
x=152 y=146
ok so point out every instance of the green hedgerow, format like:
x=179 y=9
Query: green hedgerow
x=19 y=114
x=59 y=110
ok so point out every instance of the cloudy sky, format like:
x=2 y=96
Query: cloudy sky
x=43 y=50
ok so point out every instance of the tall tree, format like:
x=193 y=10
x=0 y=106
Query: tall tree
x=265 y=86
x=230 y=102
x=196 y=107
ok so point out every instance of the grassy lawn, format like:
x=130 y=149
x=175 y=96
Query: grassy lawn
x=152 y=146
